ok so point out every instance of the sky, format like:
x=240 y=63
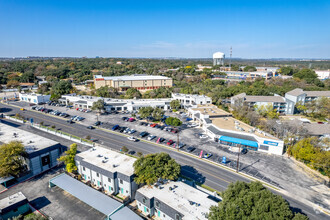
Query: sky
x=182 y=29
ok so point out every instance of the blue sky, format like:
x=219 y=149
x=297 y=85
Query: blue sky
x=196 y=29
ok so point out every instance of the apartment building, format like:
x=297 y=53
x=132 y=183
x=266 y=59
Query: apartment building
x=173 y=200
x=277 y=102
x=109 y=170
x=139 y=81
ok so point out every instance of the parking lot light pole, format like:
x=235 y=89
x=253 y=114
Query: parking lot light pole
x=239 y=152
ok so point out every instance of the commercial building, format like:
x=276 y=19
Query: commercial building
x=189 y=100
x=301 y=96
x=239 y=75
x=323 y=74
x=173 y=200
x=111 y=104
x=13 y=206
x=140 y=82
x=109 y=170
x=42 y=153
x=277 y=102
x=228 y=131
x=34 y=98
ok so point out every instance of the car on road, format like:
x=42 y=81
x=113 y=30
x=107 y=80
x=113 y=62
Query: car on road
x=191 y=149
x=70 y=121
x=131 y=138
x=22 y=109
x=151 y=137
x=115 y=127
x=170 y=142
x=132 y=152
x=90 y=127
x=207 y=155
x=143 y=134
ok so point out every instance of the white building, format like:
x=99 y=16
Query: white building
x=34 y=98
x=323 y=74
x=109 y=170
x=188 y=100
x=174 y=200
x=111 y=104
x=222 y=127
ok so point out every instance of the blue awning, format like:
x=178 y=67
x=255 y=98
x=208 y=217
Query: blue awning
x=239 y=141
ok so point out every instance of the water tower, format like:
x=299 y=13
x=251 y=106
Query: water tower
x=218 y=58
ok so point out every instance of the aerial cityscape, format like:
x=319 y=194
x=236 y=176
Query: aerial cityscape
x=165 y=110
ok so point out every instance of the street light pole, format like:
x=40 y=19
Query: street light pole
x=178 y=139
x=239 y=152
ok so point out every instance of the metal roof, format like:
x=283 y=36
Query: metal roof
x=92 y=197
x=229 y=134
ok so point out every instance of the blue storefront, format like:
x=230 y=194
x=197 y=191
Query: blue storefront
x=236 y=142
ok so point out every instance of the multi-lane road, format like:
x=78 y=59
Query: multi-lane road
x=212 y=175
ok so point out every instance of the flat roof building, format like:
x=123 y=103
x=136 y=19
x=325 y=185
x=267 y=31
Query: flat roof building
x=13 y=206
x=138 y=81
x=191 y=99
x=174 y=200
x=222 y=127
x=109 y=170
x=42 y=153
x=34 y=98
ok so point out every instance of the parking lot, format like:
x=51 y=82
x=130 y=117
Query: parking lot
x=278 y=170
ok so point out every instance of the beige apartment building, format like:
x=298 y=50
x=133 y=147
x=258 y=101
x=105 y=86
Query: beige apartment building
x=140 y=82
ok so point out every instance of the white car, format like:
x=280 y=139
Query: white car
x=203 y=136
x=131 y=131
x=131 y=138
x=151 y=137
x=127 y=130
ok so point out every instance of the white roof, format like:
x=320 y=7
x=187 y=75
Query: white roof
x=31 y=142
x=109 y=160
x=179 y=199
x=218 y=55
x=10 y=200
x=132 y=77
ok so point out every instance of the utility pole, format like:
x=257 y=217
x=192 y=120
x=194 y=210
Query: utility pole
x=177 y=145
x=239 y=152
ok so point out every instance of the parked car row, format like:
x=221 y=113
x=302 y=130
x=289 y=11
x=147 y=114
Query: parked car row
x=83 y=110
x=50 y=111
x=129 y=119
x=77 y=118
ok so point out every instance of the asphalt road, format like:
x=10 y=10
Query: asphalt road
x=198 y=169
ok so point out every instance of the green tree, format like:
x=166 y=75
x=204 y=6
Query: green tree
x=175 y=104
x=124 y=149
x=287 y=70
x=249 y=69
x=145 y=112
x=132 y=93
x=98 y=105
x=252 y=200
x=68 y=158
x=60 y=88
x=173 y=121
x=267 y=111
x=157 y=113
x=306 y=74
x=11 y=158
x=107 y=92
x=150 y=168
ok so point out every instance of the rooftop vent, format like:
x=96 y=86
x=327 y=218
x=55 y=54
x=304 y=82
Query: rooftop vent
x=100 y=155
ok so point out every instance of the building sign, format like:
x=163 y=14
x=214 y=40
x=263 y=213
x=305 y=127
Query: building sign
x=99 y=79
x=271 y=143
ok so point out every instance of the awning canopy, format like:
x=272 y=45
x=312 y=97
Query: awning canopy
x=6 y=179
x=239 y=141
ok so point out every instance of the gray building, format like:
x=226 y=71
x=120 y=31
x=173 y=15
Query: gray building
x=173 y=200
x=42 y=153
x=109 y=170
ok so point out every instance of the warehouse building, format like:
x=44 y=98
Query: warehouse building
x=139 y=81
x=14 y=205
x=42 y=153
x=173 y=200
x=222 y=127
x=109 y=170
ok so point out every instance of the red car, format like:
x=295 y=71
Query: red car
x=153 y=125
x=174 y=131
x=131 y=119
x=170 y=142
